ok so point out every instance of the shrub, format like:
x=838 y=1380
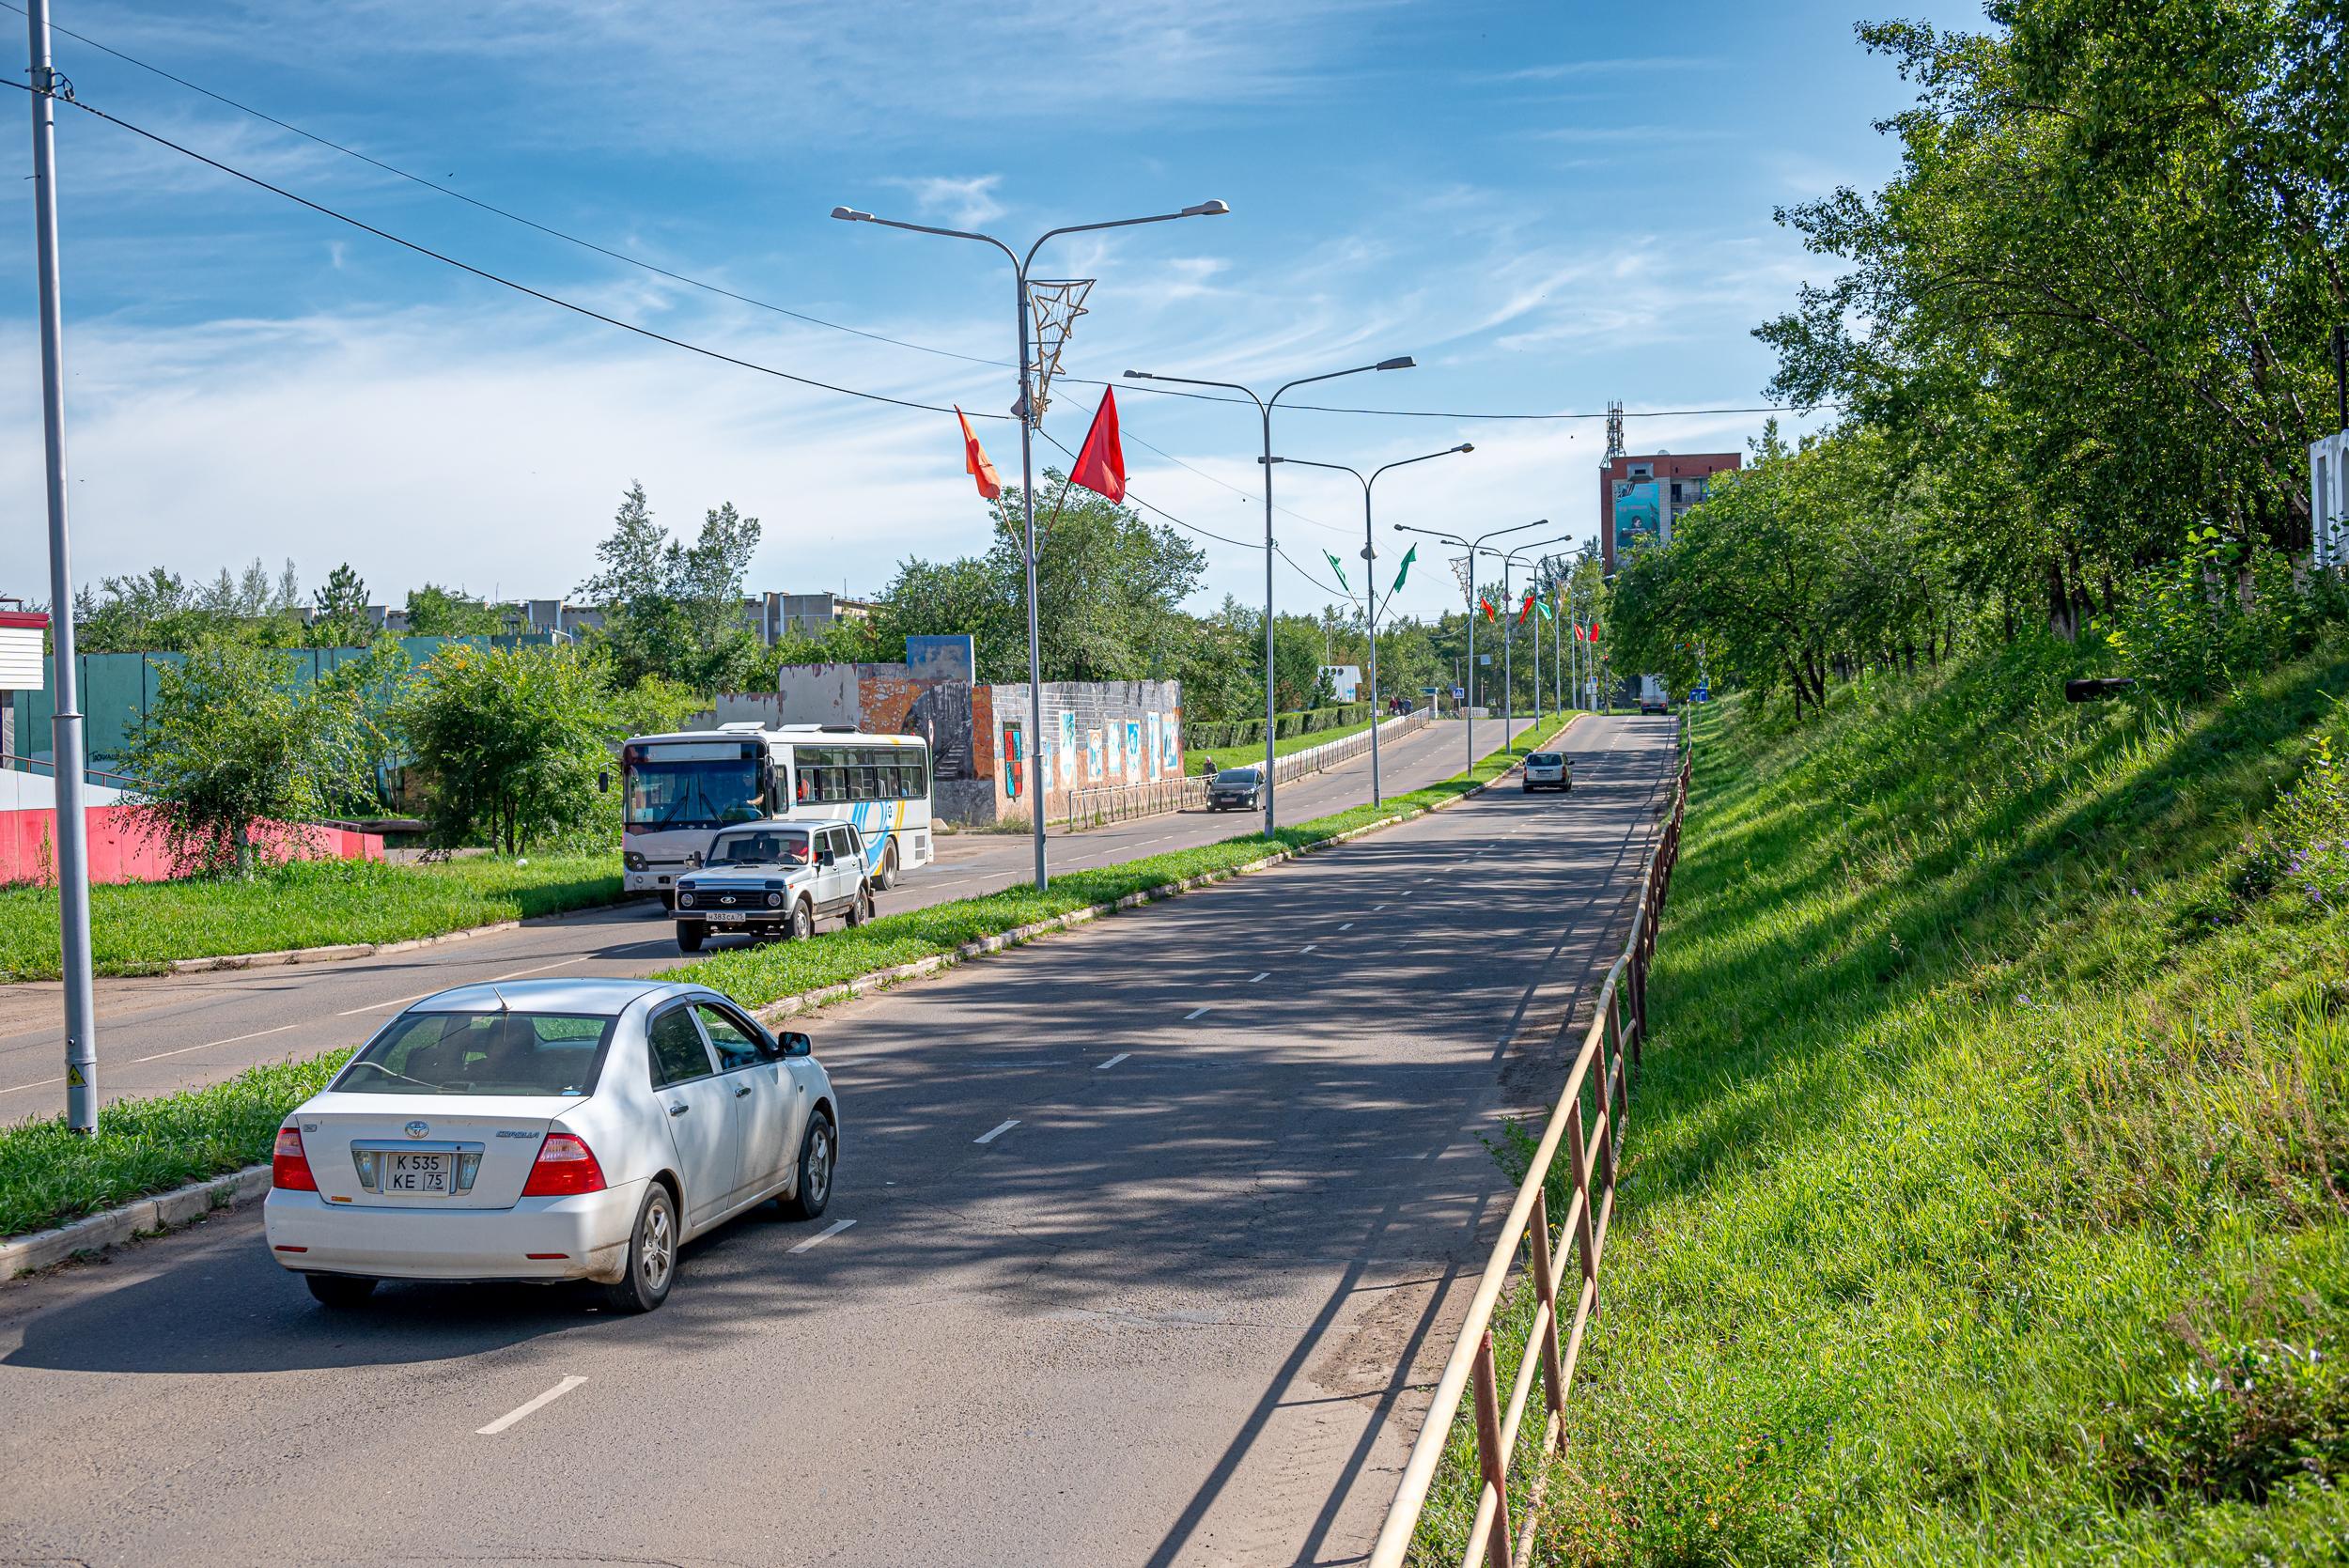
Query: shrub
x=2303 y=842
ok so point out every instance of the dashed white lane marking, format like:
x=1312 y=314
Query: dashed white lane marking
x=1197 y=1012
x=1376 y=908
x=521 y=1410
x=834 y=1229
x=1404 y=893
x=1347 y=926
x=1113 y=1062
x=995 y=1132
x=1308 y=947
x=230 y=1041
x=1253 y=978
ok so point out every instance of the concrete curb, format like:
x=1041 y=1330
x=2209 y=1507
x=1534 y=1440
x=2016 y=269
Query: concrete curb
x=146 y=1216
x=334 y=951
x=937 y=963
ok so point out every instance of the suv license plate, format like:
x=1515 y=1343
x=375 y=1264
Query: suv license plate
x=427 y=1174
x=726 y=917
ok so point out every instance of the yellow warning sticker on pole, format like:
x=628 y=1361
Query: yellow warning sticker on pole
x=73 y=1077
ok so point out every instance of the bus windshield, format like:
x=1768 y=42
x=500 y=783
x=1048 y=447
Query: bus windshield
x=719 y=793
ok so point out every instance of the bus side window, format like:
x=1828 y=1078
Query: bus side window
x=868 y=786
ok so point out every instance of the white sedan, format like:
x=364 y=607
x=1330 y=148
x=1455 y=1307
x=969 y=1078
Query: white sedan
x=547 y=1130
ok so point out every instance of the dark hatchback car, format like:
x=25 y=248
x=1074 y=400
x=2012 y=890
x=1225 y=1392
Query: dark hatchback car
x=1241 y=787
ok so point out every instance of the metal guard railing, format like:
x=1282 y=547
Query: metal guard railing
x=1593 y=1143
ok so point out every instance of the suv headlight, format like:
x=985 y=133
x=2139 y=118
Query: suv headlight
x=775 y=901
x=684 y=899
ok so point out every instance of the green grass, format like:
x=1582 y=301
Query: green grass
x=48 y=1176
x=1986 y=1195
x=140 y=927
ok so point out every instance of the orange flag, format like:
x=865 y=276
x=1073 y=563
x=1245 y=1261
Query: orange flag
x=975 y=461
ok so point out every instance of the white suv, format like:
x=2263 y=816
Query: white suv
x=1548 y=770
x=774 y=880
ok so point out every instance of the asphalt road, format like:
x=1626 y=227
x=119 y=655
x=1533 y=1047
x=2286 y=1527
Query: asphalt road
x=177 y=1031
x=1144 y=1246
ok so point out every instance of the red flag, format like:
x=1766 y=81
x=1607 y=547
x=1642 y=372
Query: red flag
x=975 y=461
x=1527 y=608
x=1490 y=614
x=1102 y=462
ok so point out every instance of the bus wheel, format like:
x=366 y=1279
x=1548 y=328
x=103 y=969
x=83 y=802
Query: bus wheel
x=889 y=868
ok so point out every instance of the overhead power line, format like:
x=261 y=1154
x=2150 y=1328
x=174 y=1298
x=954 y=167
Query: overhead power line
x=507 y=213
x=753 y=300
x=499 y=279
x=1194 y=528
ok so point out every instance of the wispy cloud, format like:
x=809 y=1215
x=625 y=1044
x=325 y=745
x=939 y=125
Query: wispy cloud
x=965 y=202
x=1620 y=66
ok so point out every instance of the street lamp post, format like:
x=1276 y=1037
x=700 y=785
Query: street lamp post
x=1264 y=407
x=1508 y=642
x=1473 y=547
x=1370 y=582
x=1024 y=410
x=65 y=728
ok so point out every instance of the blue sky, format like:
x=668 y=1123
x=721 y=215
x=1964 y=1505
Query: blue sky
x=1550 y=205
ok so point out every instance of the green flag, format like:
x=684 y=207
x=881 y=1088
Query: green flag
x=1547 y=614
x=1409 y=556
x=1340 y=570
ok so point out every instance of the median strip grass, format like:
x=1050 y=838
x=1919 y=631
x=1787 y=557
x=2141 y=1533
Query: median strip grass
x=50 y=1177
x=140 y=927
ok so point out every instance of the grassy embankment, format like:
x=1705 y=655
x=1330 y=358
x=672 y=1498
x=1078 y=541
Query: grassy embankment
x=48 y=1176
x=1987 y=1190
x=139 y=928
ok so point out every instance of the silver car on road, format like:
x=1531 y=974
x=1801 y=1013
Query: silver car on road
x=546 y=1130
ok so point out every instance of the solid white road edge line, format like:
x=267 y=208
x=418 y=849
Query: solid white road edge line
x=995 y=1132
x=825 y=1235
x=208 y=1044
x=521 y=1410
x=1113 y=1062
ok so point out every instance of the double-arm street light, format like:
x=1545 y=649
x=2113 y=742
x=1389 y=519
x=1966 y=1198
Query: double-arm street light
x=1508 y=644
x=1024 y=410
x=1473 y=547
x=1264 y=407
x=1369 y=582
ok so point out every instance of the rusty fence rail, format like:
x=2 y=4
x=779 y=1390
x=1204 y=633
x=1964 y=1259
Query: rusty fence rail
x=1588 y=1123
x=1105 y=803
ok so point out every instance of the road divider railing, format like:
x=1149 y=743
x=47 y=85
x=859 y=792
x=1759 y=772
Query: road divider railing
x=1587 y=1123
x=1106 y=803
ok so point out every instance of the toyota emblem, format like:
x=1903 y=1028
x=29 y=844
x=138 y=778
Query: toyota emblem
x=417 y=1129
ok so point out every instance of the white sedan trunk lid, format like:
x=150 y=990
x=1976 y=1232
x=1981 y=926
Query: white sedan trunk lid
x=425 y=1151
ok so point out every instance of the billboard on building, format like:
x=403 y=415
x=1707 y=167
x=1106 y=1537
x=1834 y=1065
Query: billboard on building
x=1638 y=516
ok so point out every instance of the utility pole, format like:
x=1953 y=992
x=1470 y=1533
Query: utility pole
x=81 y=1010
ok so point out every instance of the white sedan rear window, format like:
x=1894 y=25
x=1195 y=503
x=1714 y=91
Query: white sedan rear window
x=481 y=1053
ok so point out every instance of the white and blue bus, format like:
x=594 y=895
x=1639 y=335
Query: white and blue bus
x=678 y=790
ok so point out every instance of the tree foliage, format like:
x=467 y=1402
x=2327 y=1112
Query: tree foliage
x=232 y=742
x=437 y=612
x=509 y=741
x=674 y=610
